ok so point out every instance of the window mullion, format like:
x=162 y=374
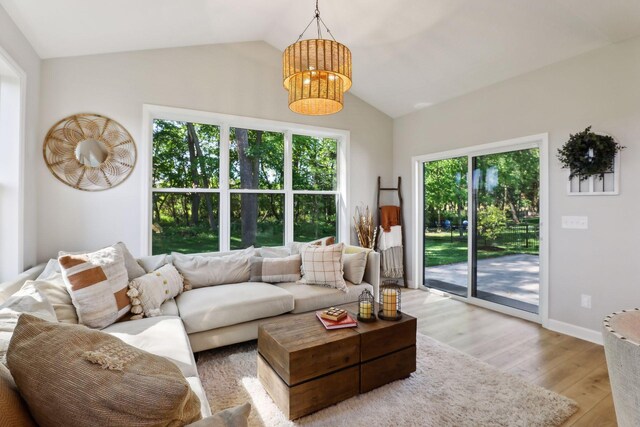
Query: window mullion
x=224 y=231
x=343 y=208
x=288 y=186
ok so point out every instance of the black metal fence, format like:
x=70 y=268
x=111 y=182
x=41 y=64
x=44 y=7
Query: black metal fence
x=520 y=236
x=523 y=236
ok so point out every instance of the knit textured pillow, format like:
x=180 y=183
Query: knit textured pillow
x=275 y=270
x=322 y=265
x=148 y=292
x=73 y=375
x=98 y=284
x=13 y=409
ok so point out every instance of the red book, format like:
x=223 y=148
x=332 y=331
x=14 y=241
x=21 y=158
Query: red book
x=347 y=322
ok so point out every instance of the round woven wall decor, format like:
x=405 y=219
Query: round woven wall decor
x=89 y=152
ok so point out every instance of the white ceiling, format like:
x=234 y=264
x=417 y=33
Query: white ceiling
x=407 y=54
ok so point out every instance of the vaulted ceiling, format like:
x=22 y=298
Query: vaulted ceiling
x=407 y=54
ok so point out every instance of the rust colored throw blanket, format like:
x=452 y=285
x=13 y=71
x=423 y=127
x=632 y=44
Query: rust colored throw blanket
x=389 y=215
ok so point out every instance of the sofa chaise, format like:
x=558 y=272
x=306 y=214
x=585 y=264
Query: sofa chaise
x=215 y=316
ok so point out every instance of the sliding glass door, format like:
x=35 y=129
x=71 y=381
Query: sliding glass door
x=506 y=204
x=446 y=225
x=481 y=226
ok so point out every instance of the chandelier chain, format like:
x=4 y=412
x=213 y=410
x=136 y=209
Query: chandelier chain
x=318 y=19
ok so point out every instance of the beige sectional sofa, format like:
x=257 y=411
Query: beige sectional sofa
x=215 y=316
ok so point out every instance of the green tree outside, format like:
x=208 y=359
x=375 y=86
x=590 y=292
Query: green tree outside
x=187 y=155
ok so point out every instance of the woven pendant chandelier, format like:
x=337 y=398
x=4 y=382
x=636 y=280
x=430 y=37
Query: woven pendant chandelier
x=316 y=72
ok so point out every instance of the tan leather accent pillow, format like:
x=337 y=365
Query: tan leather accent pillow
x=98 y=284
x=69 y=372
x=13 y=410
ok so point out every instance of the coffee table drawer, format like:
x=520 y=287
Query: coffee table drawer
x=308 y=397
x=387 y=368
x=385 y=337
x=299 y=357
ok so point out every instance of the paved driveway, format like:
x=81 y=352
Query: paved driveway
x=513 y=276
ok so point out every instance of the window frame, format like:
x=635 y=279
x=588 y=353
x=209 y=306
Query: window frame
x=13 y=92
x=226 y=122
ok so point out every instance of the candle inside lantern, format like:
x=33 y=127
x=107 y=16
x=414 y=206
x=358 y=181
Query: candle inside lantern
x=365 y=309
x=389 y=302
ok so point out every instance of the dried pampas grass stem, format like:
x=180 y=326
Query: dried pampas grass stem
x=365 y=228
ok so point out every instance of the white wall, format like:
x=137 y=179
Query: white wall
x=241 y=79
x=25 y=64
x=600 y=88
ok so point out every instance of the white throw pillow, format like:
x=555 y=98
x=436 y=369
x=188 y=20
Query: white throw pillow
x=354 y=266
x=98 y=285
x=133 y=268
x=322 y=265
x=150 y=291
x=51 y=269
x=199 y=271
x=154 y=262
x=26 y=300
x=55 y=290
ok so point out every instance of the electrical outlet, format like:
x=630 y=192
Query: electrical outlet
x=585 y=301
x=575 y=222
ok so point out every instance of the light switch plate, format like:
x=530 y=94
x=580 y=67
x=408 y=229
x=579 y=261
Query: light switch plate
x=575 y=222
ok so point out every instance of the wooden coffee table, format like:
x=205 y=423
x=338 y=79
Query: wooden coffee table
x=305 y=367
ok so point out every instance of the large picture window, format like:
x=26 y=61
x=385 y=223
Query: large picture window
x=217 y=185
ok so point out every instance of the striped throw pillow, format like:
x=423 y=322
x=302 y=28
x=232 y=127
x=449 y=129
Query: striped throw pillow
x=275 y=270
x=98 y=284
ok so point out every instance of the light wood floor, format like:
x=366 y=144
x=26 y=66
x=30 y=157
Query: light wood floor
x=566 y=365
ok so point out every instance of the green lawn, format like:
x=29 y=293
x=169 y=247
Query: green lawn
x=440 y=250
x=188 y=239
x=184 y=239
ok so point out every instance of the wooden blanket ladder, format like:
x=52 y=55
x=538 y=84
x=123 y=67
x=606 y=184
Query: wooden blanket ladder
x=398 y=190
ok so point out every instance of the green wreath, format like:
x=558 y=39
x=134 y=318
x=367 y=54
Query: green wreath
x=587 y=154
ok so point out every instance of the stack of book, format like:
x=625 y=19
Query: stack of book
x=336 y=318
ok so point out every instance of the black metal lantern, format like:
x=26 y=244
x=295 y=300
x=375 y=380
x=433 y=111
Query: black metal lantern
x=389 y=302
x=366 y=307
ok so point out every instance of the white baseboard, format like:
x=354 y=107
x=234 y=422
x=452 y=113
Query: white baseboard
x=575 y=331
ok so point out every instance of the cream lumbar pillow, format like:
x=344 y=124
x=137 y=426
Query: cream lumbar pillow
x=275 y=270
x=200 y=271
x=148 y=292
x=354 y=266
x=72 y=374
x=98 y=284
x=322 y=265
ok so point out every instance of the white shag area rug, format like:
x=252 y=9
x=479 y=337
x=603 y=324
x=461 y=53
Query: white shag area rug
x=449 y=388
